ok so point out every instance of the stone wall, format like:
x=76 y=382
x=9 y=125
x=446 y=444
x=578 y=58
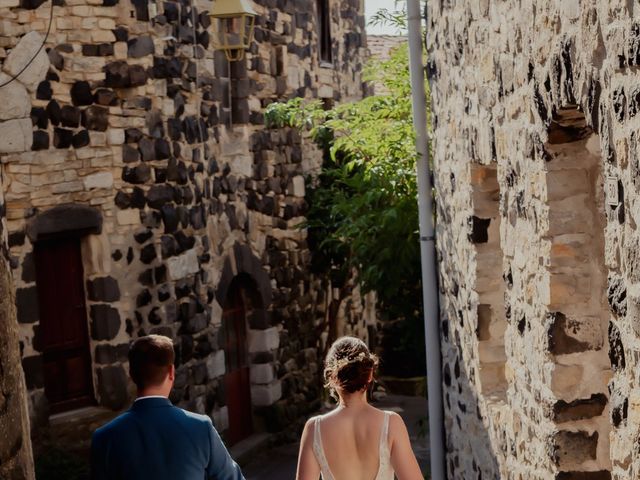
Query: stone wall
x=536 y=160
x=16 y=460
x=130 y=128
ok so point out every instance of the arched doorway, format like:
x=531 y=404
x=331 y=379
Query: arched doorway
x=237 y=379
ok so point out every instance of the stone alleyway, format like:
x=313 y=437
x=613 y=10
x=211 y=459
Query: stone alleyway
x=279 y=463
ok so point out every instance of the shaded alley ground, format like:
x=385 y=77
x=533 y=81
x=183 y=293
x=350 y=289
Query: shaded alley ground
x=279 y=463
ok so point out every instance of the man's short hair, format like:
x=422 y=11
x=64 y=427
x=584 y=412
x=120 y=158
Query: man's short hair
x=150 y=359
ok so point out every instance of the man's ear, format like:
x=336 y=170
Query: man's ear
x=172 y=373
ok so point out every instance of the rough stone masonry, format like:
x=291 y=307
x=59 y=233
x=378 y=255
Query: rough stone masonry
x=536 y=153
x=134 y=206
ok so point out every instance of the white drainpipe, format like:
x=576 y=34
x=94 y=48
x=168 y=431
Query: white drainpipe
x=427 y=243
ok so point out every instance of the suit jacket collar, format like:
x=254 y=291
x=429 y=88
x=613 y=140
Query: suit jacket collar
x=151 y=402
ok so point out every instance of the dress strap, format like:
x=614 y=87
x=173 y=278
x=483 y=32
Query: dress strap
x=318 y=449
x=384 y=434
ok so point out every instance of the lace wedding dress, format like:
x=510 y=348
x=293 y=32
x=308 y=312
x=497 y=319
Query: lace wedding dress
x=385 y=470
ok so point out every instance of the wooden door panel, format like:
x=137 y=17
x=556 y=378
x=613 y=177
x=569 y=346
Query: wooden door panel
x=237 y=379
x=63 y=324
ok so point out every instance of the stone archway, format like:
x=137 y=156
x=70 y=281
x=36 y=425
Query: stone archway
x=242 y=267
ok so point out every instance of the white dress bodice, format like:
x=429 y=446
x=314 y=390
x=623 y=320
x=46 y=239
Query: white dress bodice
x=385 y=470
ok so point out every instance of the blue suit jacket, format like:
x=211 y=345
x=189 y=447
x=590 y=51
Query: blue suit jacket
x=155 y=440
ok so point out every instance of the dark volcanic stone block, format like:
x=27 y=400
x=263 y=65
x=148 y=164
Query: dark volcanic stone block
x=148 y=254
x=70 y=116
x=138 y=199
x=107 y=353
x=81 y=93
x=96 y=118
x=123 y=200
x=169 y=246
x=81 y=139
x=162 y=149
x=105 y=322
x=98 y=50
x=159 y=195
x=140 y=47
x=103 y=289
x=170 y=218
x=27 y=305
x=53 y=110
x=33 y=371
x=106 y=97
x=56 y=59
x=39 y=117
x=44 y=91
x=40 y=140
x=132 y=135
x=136 y=175
x=137 y=75
x=143 y=236
x=62 y=137
x=117 y=74
x=130 y=154
x=121 y=34
x=143 y=299
x=147 y=149
x=112 y=387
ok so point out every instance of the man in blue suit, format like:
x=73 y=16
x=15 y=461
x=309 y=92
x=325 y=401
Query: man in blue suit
x=154 y=439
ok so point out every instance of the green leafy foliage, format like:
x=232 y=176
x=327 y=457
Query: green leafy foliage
x=363 y=215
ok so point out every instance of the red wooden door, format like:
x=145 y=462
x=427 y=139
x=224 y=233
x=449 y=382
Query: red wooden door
x=236 y=382
x=64 y=335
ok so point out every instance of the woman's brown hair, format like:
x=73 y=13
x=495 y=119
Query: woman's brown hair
x=349 y=366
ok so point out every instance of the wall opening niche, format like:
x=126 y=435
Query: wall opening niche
x=578 y=315
x=491 y=316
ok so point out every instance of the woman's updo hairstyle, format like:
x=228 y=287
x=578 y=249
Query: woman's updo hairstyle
x=349 y=366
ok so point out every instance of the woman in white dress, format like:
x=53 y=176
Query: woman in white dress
x=355 y=441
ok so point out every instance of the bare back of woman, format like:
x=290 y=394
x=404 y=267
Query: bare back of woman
x=355 y=441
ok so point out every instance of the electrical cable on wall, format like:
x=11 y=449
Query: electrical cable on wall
x=44 y=41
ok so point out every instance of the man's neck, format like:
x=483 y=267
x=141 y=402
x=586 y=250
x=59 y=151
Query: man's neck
x=151 y=393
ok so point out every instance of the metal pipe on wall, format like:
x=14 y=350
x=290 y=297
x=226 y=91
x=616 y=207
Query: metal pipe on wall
x=427 y=243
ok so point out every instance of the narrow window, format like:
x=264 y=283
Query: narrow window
x=324 y=31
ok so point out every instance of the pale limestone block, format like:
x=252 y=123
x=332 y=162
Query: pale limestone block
x=242 y=165
x=14 y=99
x=9 y=3
x=115 y=136
x=263 y=340
x=107 y=23
x=96 y=254
x=68 y=187
x=96 y=139
x=99 y=180
x=297 y=186
x=262 y=373
x=265 y=395
x=103 y=36
x=325 y=91
x=216 y=365
x=216 y=313
x=16 y=135
x=570 y=9
x=128 y=217
x=183 y=265
x=21 y=54
x=221 y=419
x=81 y=11
x=120 y=50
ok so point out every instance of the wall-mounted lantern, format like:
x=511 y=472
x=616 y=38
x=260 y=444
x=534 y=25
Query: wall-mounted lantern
x=233 y=23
